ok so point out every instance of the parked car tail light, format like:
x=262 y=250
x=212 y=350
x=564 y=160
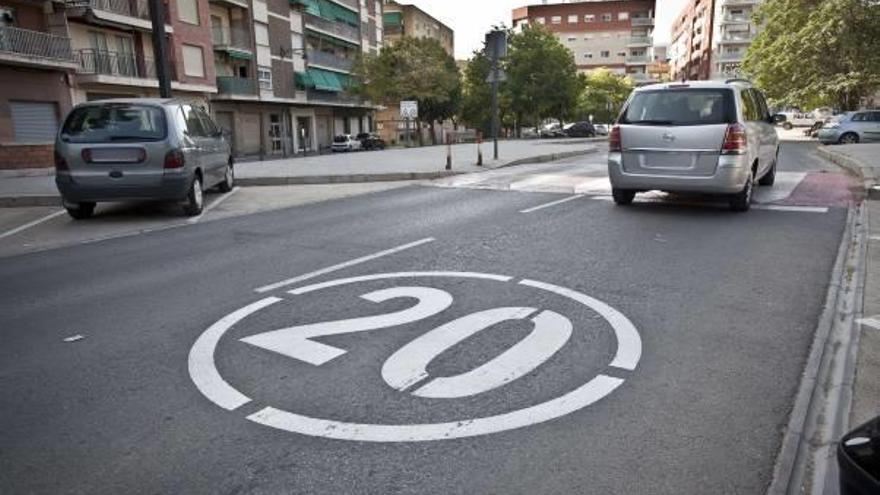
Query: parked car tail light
x=174 y=159
x=735 y=141
x=86 y=155
x=614 y=142
x=60 y=163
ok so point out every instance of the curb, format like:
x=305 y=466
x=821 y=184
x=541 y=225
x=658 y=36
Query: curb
x=341 y=179
x=855 y=166
x=549 y=158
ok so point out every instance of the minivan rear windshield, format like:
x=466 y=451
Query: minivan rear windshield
x=685 y=106
x=114 y=123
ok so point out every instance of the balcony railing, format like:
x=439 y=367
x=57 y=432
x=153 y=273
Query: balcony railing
x=35 y=44
x=115 y=64
x=637 y=59
x=642 y=21
x=236 y=85
x=329 y=60
x=730 y=57
x=340 y=29
x=131 y=8
x=638 y=40
x=737 y=37
x=237 y=38
x=352 y=4
x=737 y=3
x=728 y=19
x=327 y=97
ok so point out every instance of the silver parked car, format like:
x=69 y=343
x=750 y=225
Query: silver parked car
x=852 y=127
x=700 y=136
x=139 y=149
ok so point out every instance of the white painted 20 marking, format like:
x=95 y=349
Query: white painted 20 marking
x=405 y=370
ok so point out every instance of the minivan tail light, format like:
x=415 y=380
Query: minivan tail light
x=60 y=163
x=735 y=140
x=174 y=159
x=614 y=141
x=86 y=155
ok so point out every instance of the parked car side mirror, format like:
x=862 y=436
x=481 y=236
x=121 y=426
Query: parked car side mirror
x=778 y=118
x=858 y=456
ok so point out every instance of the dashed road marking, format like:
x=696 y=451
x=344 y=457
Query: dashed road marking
x=552 y=203
x=28 y=225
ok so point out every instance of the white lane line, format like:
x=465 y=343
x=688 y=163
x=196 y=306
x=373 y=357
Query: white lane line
x=552 y=203
x=213 y=205
x=342 y=265
x=31 y=224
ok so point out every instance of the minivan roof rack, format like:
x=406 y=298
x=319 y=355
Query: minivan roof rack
x=737 y=79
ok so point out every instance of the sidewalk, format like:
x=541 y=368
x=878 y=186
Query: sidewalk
x=369 y=166
x=861 y=159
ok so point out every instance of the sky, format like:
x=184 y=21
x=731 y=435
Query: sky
x=471 y=19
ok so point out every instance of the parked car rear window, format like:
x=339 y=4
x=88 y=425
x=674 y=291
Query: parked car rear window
x=686 y=106
x=114 y=122
x=340 y=139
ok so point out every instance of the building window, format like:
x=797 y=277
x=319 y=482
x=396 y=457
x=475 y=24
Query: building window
x=572 y=19
x=588 y=55
x=188 y=11
x=540 y=20
x=621 y=54
x=264 y=76
x=556 y=19
x=606 y=17
x=622 y=16
x=572 y=38
x=193 y=61
x=605 y=54
x=589 y=18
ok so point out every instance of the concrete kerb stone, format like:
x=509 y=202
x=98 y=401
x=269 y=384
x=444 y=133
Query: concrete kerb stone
x=868 y=174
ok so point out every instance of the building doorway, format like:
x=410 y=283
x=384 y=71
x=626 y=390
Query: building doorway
x=304 y=134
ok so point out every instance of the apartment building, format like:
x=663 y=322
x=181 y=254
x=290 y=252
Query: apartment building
x=275 y=73
x=401 y=20
x=611 y=34
x=710 y=38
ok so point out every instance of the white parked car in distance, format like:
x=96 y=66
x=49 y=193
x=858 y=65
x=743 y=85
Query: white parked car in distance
x=346 y=142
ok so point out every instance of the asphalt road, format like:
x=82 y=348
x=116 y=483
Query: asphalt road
x=664 y=350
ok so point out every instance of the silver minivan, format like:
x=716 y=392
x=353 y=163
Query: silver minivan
x=140 y=149
x=712 y=137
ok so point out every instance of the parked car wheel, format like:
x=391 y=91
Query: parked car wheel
x=623 y=197
x=742 y=200
x=195 y=198
x=228 y=179
x=849 y=138
x=80 y=211
x=787 y=126
x=770 y=177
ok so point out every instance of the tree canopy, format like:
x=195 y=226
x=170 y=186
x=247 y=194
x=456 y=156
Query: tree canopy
x=812 y=53
x=603 y=95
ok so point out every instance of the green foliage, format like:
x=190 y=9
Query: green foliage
x=812 y=53
x=476 y=106
x=542 y=76
x=603 y=95
x=412 y=69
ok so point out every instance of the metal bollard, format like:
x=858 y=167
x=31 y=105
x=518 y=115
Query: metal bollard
x=479 y=149
x=448 y=152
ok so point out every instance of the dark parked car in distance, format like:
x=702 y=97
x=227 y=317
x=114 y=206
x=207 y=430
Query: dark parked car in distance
x=371 y=141
x=579 y=129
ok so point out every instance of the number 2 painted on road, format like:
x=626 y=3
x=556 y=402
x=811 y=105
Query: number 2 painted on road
x=407 y=366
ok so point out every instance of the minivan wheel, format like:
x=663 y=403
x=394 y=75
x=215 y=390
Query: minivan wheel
x=623 y=197
x=770 y=177
x=849 y=138
x=228 y=179
x=742 y=200
x=195 y=198
x=80 y=211
x=787 y=126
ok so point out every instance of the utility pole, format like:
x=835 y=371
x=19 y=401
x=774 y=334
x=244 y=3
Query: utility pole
x=496 y=46
x=157 y=17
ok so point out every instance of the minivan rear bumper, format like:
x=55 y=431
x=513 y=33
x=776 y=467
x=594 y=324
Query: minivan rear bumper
x=170 y=188
x=730 y=177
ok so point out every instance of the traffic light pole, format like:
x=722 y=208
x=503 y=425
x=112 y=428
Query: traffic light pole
x=157 y=17
x=495 y=123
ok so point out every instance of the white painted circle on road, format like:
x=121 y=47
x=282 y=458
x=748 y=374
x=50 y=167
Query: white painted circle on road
x=405 y=369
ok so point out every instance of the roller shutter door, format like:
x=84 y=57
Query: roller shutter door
x=33 y=122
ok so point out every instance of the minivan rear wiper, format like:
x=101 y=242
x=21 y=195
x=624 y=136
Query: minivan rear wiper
x=650 y=122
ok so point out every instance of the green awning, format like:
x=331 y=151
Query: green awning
x=304 y=80
x=323 y=80
x=392 y=19
x=233 y=53
x=330 y=11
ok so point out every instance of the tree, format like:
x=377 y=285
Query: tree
x=542 y=76
x=412 y=69
x=476 y=105
x=816 y=52
x=603 y=94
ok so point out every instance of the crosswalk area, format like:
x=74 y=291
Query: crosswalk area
x=588 y=177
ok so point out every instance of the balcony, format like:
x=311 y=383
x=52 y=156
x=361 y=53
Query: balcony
x=337 y=98
x=35 y=49
x=740 y=3
x=231 y=85
x=127 y=13
x=637 y=60
x=106 y=67
x=236 y=41
x=737 y=37
x=339 y=30
x=642 y=77
x=235 y=3
x=329 y=60
x=735 y=19
x=730 y=57
x=351 y=4
x=642 y=21
x=639 y=41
